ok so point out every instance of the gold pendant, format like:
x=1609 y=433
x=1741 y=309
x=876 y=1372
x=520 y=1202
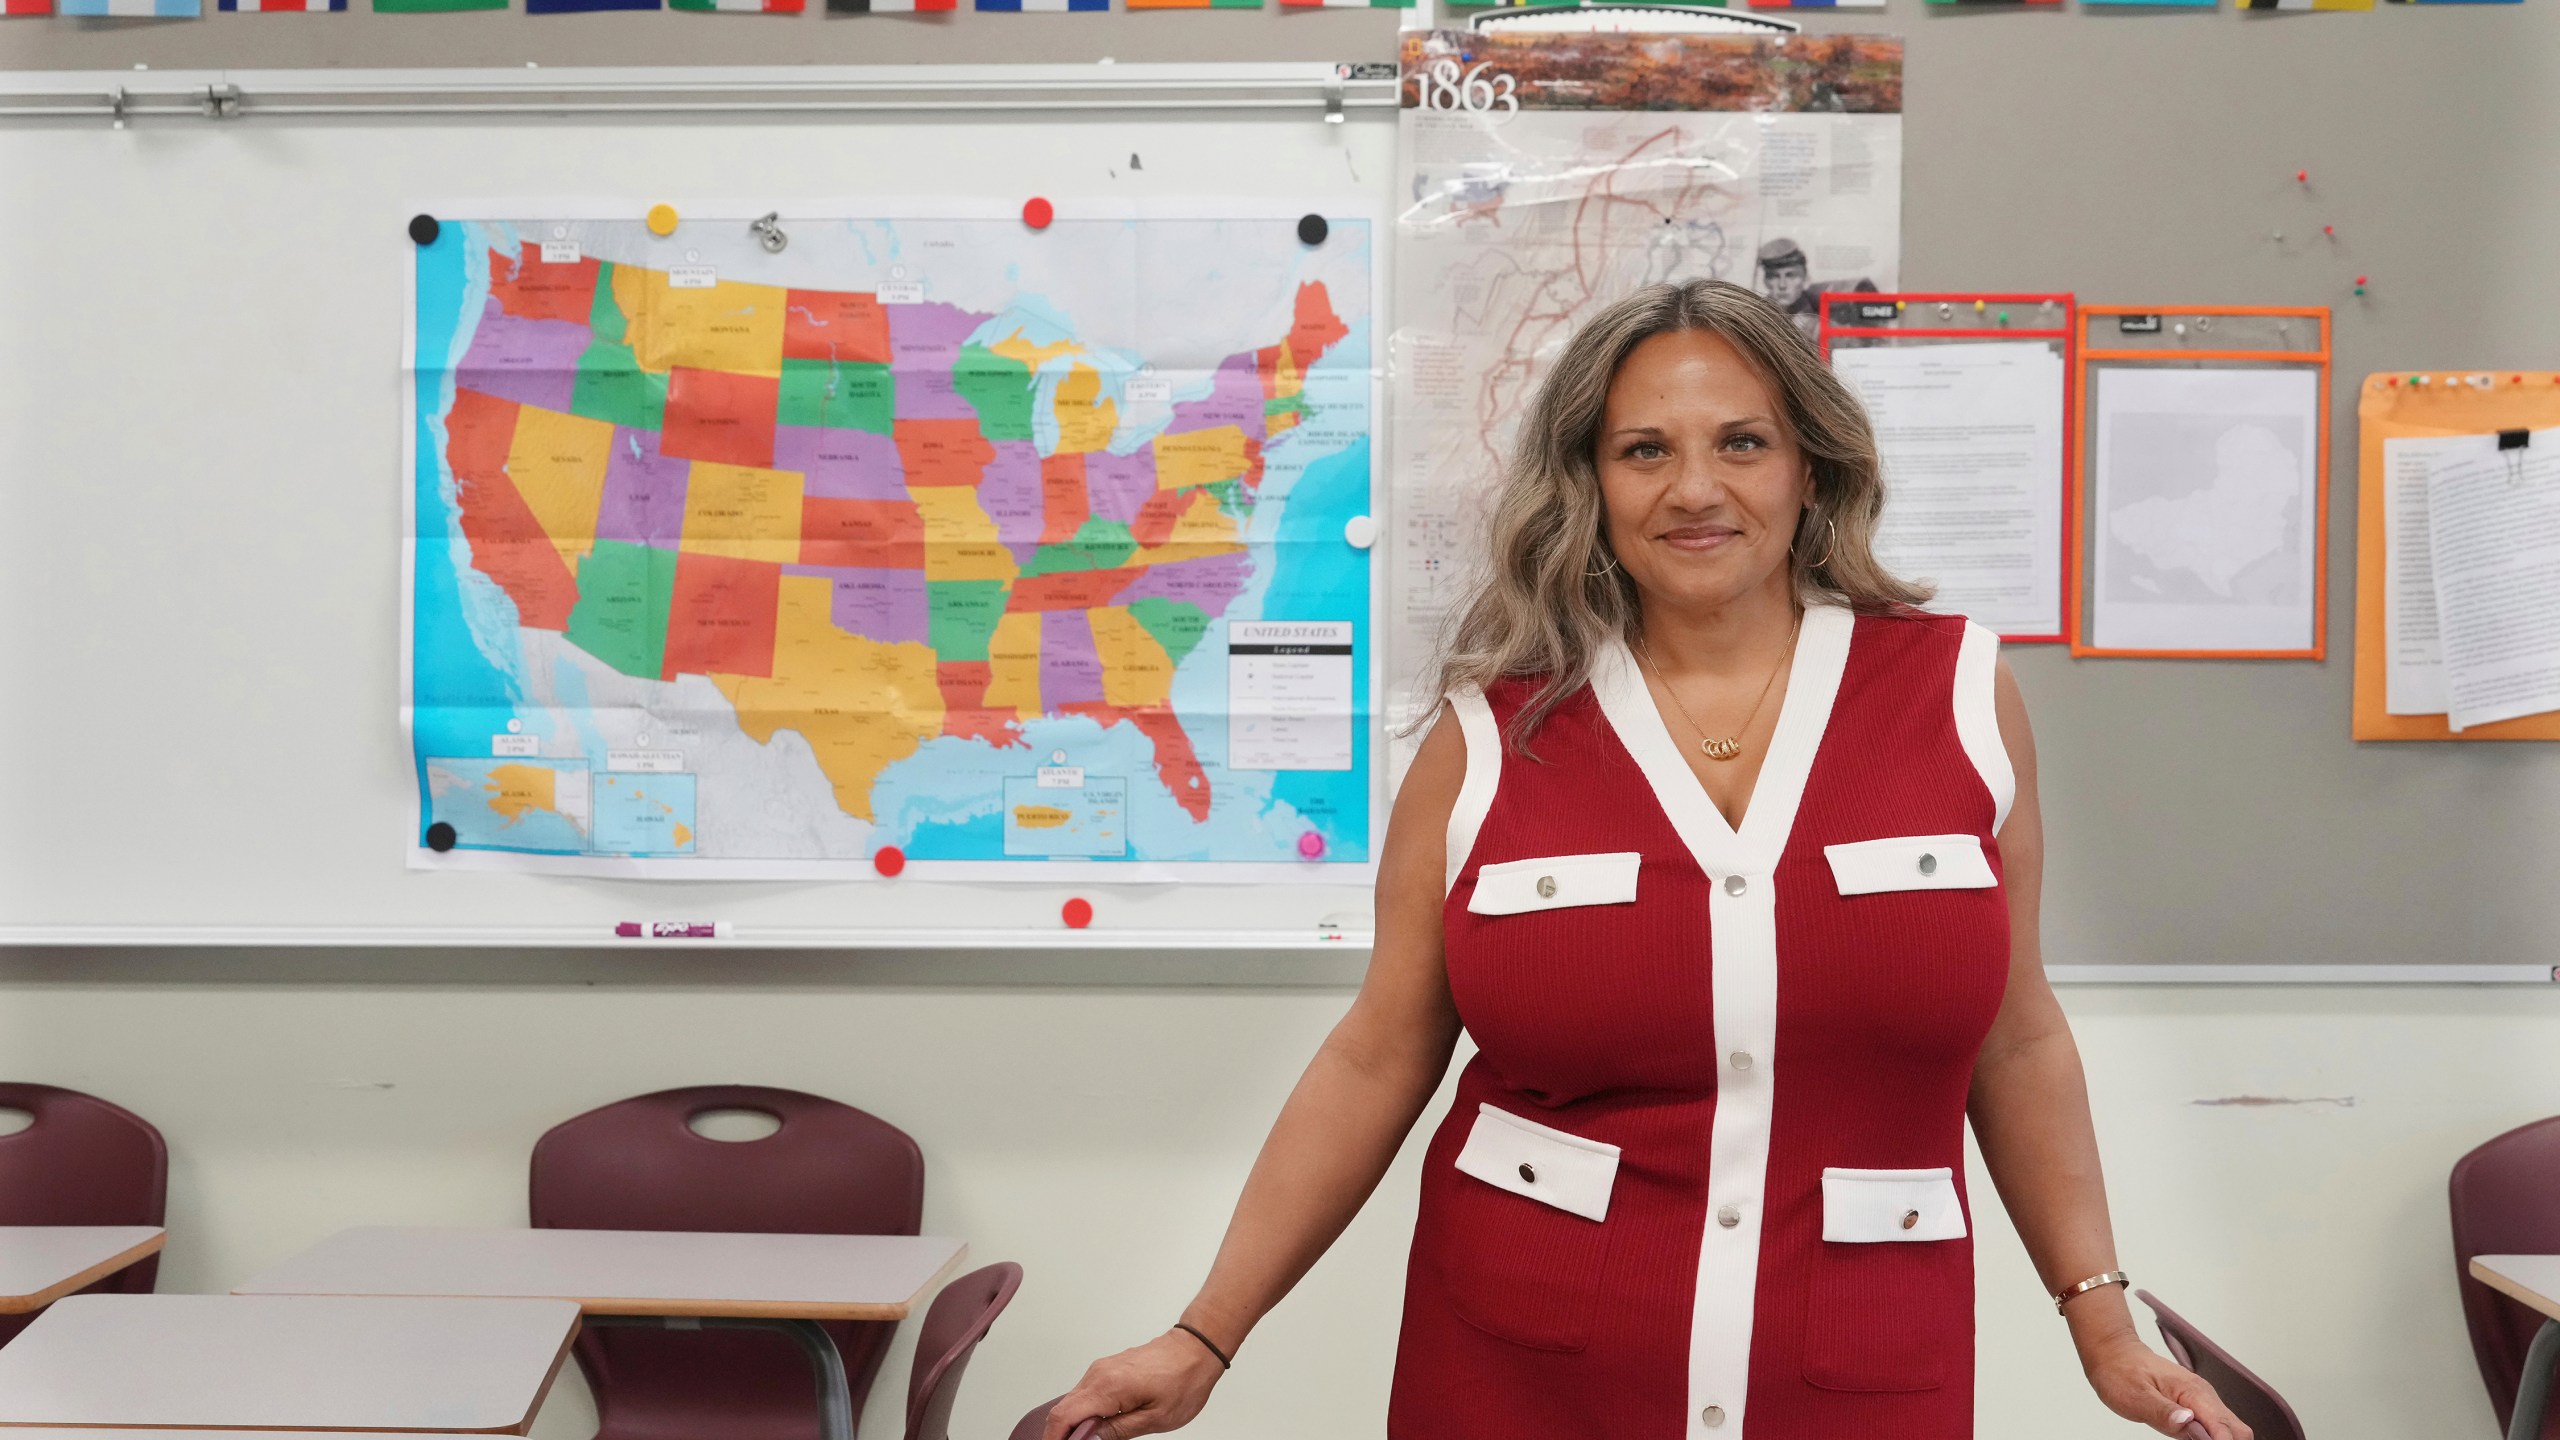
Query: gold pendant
x=1724 y=749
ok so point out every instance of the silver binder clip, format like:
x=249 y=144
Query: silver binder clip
x=1333 y=98
x=222 y=102
x=768 y=232
x=116 y=104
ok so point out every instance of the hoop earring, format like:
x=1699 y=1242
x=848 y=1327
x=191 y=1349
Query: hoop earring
x=1831 y=536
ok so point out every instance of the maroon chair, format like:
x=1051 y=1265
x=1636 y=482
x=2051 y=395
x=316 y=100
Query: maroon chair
x=638 y=1164
x=2252 y=1399
x=953 y=1325
x=82 y=1162
x=1035 y=1424
x=2506 y=1201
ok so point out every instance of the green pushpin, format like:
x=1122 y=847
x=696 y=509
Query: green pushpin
x=2004 y=317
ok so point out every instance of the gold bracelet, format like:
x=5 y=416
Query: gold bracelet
x=2094 y=1282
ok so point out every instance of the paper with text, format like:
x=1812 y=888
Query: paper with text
x=2493 y=517
x=1971 y=438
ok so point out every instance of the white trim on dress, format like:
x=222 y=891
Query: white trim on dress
x=1978 y=719
x=1742 y=918
x=1484 y=775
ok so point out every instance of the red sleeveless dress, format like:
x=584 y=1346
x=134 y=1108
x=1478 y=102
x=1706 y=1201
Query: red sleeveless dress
x=1704 y=1178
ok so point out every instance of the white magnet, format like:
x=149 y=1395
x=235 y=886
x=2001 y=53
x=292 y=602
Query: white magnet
x=1361 y=531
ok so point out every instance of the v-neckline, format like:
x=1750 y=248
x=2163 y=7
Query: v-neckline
x=1719 y=846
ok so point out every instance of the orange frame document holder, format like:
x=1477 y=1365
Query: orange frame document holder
x=2268 y=335
x=2402 y=405
x=1873 y=318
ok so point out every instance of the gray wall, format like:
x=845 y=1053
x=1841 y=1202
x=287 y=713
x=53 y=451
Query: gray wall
x=2199 y=812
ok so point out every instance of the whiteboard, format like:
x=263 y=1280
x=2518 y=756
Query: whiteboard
x=200 y=525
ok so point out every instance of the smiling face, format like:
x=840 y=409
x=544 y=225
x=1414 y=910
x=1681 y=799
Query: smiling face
x=1701 y=479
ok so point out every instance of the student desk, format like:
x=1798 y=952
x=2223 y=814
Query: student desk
x=40 y=1264
x=223 y=1361
x=679 y=1279
x=2534 y=1280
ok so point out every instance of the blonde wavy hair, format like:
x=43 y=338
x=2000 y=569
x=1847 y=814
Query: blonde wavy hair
x=1551 y=594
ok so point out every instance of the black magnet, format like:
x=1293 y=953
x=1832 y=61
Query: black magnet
x=440 y=836
x=424 y=229
x=1312 y=229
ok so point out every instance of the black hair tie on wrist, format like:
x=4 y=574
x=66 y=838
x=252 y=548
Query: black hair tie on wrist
x=1223 y=1362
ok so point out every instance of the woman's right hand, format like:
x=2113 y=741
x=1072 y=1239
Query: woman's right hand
x=1156 y=1387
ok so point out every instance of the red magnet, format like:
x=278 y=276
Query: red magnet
x=1078 y=913
x=1037 y=213
x=889 y=860
x=1311 y=846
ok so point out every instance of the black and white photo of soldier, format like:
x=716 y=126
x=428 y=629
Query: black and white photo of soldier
x=1786 y=278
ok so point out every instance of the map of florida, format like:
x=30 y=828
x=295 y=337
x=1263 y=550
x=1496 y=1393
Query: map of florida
x=836 y=509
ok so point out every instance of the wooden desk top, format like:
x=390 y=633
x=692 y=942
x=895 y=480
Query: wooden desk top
x=630 y=1272
x=2533 y=1279
x=40 y=1264
x=291 y=1363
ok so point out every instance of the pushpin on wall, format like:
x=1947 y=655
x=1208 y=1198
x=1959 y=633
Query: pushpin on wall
x=2004 y=317
x=2302 y=177
x=1078 y=913
x=1311 y=846
x=2329 y=230
x=2360 y=284
x=1979 y=307
x=1037 y=213
x=662 y=220
x=889 y=860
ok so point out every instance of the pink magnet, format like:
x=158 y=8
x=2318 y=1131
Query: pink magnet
x=1078 y=913
x=889 y=860
x=1037 y=213
x=1311 y=846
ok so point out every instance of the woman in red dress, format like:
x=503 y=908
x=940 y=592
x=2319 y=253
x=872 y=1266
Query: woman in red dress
x=1726 y=856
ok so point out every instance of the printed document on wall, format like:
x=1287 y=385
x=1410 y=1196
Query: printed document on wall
x=1971 y=438
x=2493 y=519
x=2205 y=503
x=1547 y=176
x=2413 y=640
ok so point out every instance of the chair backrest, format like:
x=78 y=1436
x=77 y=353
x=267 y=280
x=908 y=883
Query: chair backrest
x=953 y=1325
x=2252 y=1399
x=1036 y=1424
x=82 y=1162
x=638 y=1164
x=2506 y=1201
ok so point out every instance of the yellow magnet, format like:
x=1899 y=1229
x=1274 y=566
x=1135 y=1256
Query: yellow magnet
x=662 y=220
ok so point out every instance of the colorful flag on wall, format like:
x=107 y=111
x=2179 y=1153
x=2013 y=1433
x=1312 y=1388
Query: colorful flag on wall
x=1817 y=4
x=741 y=7
x=1364 y=4
x=1195 y=4
x=281 y=7
x=161 y=9
x=433 y=7
x=2305 y=4
x=25 y=7
x=579 y=7
x=1019 y=6
x=888 y=7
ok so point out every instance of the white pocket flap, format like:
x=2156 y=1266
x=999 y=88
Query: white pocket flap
x=1549 y=1166
x=1869 y=1207
x=1516 y=887
x=1910 y=862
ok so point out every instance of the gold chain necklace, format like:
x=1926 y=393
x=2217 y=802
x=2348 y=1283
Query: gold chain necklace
x=1731 y=745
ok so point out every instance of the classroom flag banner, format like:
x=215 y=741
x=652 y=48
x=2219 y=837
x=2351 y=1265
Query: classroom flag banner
x=580 y=7
x=1018 y=7
x=1348 y=4
x=283 y=7
x=739 y=7
x=1196 y=4
x=434 y=7
x=1817 y=4
x=155 y=9
x=2305 y=4
x=11 y=8
x=890 y=7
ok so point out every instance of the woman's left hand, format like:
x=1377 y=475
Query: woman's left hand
x=2142 y=1385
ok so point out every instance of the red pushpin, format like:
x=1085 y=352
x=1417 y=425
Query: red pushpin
x=889 y=860
x=2301 y=177
x=1311 y=846
x=1037 y=213
x=1078 y=913
x=2395 y=382
x=2329 y=230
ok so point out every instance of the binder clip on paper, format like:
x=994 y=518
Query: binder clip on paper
x=2511 y=445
